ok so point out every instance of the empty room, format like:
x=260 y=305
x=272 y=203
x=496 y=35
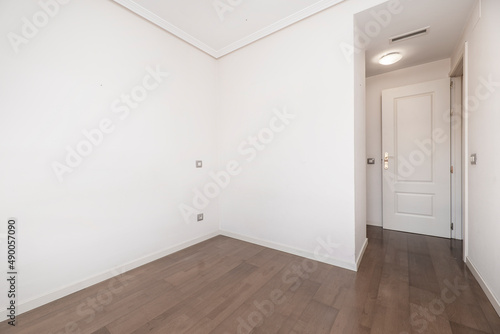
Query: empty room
x=236 y=166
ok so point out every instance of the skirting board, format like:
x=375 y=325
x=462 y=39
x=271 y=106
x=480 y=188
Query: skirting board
x=361 y=254
x=287 y=249
x=372 y=223
x=484 y=286
x=67 y=290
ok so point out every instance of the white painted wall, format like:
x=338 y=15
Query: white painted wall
x=483 y=118
x=374 y=87
x=121 y=204
x=301 y=186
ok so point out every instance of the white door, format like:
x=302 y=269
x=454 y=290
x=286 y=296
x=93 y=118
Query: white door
x=416 y=153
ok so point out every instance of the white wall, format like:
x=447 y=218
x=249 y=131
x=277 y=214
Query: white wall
x=121 y=203
x=483 y=116
x=301 y=186
x=374 y=87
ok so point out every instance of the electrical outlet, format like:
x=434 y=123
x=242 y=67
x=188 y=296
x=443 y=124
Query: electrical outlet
x=200 y=217
x=473 y=159
x=199 y=164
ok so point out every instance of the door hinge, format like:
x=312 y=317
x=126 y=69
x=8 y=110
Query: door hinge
x=452 y=226
x=451 y=169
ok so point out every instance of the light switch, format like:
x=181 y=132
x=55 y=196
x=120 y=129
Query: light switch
x=473 y=159
x=370 y=161
x=199 y=164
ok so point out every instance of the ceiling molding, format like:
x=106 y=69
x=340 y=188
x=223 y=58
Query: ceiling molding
x=148 y=15
x=283 y=23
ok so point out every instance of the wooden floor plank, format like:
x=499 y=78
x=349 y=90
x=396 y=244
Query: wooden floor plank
x=317 y=318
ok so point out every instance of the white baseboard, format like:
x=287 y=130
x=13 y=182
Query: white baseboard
x=361 y=254
x=287 y=249
x=484 y=286
x=85 y=283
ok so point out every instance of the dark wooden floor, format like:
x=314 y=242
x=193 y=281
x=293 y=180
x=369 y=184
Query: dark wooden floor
x=406 y=284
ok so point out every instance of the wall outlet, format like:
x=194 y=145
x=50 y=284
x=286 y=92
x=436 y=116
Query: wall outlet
x=200 y=217
x=473 y=159
x=199 y=163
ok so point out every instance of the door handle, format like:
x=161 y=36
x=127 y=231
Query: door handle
x=386 y=161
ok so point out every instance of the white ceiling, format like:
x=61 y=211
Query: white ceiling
x=446 y=18
x=234 y=24
x=237 y=23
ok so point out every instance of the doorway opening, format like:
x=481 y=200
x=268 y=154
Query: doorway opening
x=374 y=37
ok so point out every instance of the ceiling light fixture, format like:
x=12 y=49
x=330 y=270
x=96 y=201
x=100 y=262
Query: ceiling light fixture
x=390 y=58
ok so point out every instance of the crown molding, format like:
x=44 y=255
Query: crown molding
x=283 y=23
x=152 y=17
x=270 y=29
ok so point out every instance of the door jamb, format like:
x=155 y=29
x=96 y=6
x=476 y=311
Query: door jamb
x=463 y=68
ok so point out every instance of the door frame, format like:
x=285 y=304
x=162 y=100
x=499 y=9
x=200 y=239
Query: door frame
x=460 y=165
x=456 y=150
x=462 y=69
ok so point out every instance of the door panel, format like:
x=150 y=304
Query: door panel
x=413 y=124
x=416 y=139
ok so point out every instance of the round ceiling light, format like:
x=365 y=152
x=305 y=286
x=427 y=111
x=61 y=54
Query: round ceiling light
x=390 y=58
